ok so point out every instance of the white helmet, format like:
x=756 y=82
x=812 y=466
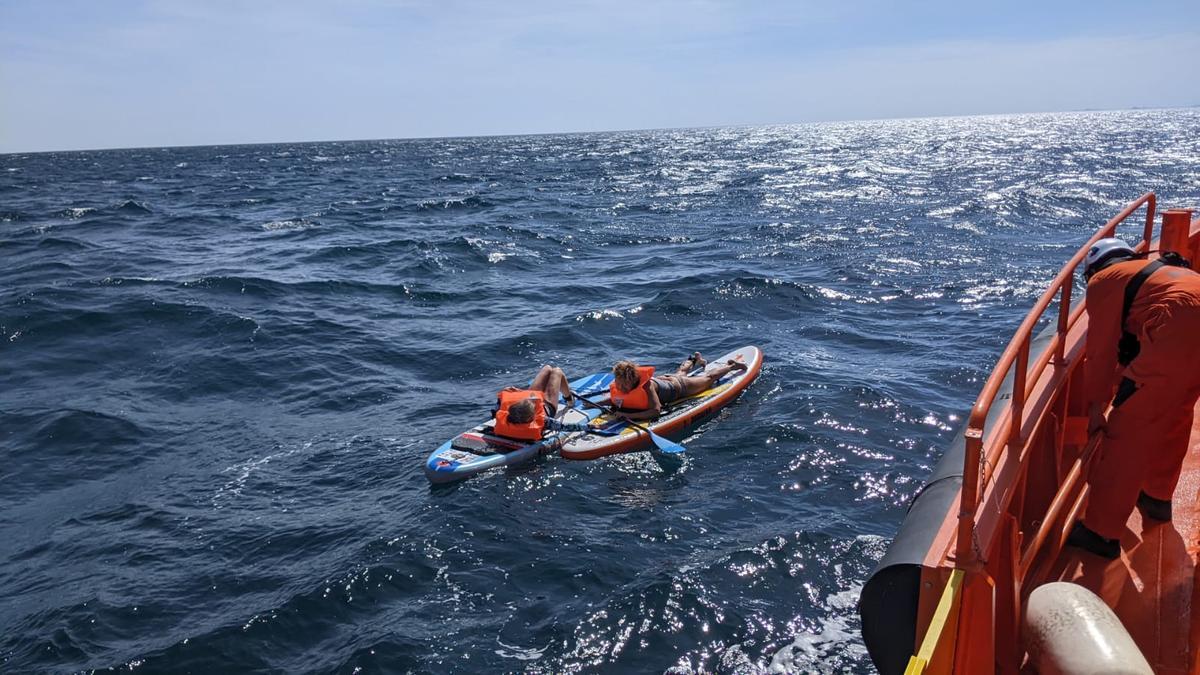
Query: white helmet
x=1103 y=251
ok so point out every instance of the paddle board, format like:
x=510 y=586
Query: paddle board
x=677 y=419
x=478 y=449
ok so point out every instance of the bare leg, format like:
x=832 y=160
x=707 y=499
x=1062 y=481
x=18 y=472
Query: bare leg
x=551 y=382
x=695 y=384
x=542 y=379
x=564 y=387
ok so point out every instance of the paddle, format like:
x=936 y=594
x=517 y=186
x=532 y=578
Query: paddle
x=588 y=429
x=667 y=447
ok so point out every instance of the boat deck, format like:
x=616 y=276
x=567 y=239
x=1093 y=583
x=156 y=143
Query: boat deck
x=1153 y=586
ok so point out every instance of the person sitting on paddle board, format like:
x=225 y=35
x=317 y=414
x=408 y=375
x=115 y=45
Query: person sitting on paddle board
x=526 y=414
x=640 y=395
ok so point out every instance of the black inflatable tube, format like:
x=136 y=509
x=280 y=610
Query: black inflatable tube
x=891 y=595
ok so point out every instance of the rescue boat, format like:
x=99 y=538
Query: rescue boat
x=973 y=581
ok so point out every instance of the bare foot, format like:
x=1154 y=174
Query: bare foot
x=692 y=362
x=736 y=365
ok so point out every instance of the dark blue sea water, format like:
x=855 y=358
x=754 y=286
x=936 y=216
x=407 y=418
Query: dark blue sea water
x=221 y=369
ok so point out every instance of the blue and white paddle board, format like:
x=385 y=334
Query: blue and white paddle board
x=478 y=449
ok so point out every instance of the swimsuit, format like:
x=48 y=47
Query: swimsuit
x=667 y=390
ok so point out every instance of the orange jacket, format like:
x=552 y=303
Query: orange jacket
x=639 y=398
x=530 y=431
x=1165 y=290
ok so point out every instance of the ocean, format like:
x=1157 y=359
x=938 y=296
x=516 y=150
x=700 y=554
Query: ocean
x=222 y=368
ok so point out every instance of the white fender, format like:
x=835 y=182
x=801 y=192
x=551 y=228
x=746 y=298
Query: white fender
x=1069 y=630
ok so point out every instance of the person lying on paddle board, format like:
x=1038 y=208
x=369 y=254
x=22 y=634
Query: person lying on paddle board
x=639 y=394
x=526 y=414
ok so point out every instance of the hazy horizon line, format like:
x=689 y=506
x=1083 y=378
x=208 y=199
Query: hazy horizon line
x=582 y=132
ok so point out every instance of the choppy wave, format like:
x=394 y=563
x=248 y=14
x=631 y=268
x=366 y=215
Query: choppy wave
x=222 y=368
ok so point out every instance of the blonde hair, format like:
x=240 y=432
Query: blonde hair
x=625 y=373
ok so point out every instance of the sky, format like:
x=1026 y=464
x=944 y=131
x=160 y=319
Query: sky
x=77 y=74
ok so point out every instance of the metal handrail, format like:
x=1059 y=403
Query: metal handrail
x=1072 y=480
x=977 y=473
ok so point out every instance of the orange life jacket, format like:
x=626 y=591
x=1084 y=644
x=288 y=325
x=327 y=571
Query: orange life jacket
x=637 y=399
x=529 y=431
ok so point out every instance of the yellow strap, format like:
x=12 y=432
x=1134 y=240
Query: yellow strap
x=918 y=663
x=916 y=666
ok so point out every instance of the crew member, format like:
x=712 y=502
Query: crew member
x=1143 y=328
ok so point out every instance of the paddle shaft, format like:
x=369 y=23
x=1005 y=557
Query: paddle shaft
x=628 y=421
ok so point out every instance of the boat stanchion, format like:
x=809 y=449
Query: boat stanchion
x=1176 y=226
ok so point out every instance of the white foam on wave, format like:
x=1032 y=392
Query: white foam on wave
x=290 y=224
x=244 y=470
x=967 y=227
x=827 y=648
x=79 y=211
x=117 y=281
x=831 y=294
x=519 y=653
x=506 y=250
x=602 y=314
x=834 y=643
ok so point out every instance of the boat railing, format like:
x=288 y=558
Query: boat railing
x=984 y=446
x=1025 y=454
x=991 y=432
